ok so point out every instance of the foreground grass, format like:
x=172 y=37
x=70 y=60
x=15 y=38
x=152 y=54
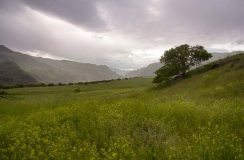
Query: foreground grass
x=198 y=118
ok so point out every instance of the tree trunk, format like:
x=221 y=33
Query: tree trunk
x=183 y=74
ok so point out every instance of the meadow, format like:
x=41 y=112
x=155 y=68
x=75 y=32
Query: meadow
x=201 y=117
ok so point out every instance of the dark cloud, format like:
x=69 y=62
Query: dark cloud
x=82 y=13
x=79 y=12
x=117 y=32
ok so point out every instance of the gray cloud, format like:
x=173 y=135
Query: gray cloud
x=178 y=21
x=240 y=41
x=120 y=33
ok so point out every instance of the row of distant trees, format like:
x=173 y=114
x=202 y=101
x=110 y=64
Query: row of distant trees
x=59 y=84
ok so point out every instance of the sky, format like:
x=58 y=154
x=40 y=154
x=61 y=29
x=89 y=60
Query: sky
x=123 y=34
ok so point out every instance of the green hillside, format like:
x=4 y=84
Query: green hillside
x=11 y=74
x=201 y=117
x=151 y=68
x=54 y=71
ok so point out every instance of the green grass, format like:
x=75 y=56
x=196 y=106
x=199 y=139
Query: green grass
x=201 y=117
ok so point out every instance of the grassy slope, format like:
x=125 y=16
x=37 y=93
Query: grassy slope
x=151 y=68
x=198 y=118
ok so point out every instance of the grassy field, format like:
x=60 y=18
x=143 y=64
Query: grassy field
x=201 y=117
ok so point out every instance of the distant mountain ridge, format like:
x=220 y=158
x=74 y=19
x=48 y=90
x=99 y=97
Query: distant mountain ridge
x=11 y=74
x=151 y=68
x=55 y=71
x=119 y=71
x=145 y=71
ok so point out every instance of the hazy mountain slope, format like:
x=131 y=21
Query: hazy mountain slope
x=11 y=73
x=217 y=56
x=146 y=71
x=119 y=72
x=40 y=71
x=54 y=71
x=150 y=69
x=83 y=71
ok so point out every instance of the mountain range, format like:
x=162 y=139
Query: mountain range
x=119 y=71
x=145 y=71
x=57 y=71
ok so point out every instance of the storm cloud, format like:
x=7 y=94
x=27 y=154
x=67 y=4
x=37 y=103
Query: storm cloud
x=122 y=34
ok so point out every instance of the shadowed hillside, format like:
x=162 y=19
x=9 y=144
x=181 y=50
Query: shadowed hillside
x=11 y=73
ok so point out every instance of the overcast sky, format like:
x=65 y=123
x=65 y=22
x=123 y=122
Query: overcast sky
x=125 y=34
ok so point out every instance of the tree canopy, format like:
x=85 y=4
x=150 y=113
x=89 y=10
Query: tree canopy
x=177 y=61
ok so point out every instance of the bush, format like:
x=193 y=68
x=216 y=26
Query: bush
x=19 y=86
x=77 y=90
x=3 y=93
x=61 y=84
x=6 y=87
x=80 y=83
x=50 y=84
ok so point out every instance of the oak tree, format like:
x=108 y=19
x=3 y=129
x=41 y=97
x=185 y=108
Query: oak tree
x=177 y=61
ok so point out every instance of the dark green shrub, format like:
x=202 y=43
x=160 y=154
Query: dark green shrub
x=50 y=84
x=3 y=93
x=6 y=87
x=77 y=90
x=19 y=86
x=80 y=83
x=43 y=84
